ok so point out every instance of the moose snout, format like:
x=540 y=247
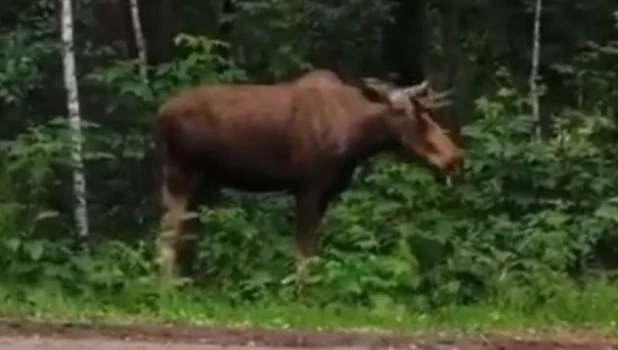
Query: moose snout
x=448 y=168
x=451 y=164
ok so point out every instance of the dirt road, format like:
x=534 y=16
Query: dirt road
x=31 y=336
x=36 y=343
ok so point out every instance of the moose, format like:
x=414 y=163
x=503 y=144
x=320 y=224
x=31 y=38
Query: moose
x=317 y=78
x=305 y=137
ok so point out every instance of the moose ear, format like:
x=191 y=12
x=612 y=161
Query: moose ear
x=414 y=91
x=435 y=100
x=376 y=87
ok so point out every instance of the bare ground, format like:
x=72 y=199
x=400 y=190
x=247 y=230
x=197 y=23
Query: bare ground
x=19 y=335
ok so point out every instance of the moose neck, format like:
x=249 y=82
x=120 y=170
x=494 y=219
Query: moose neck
x=372 y=134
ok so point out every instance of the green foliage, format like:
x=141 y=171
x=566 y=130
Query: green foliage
x=27 y=166
x=22 y=61
x=276 y=39
x=525 y=218
x=197 y=63
x=267 y=37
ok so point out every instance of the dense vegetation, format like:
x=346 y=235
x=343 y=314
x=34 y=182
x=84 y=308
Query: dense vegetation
x=527 y=219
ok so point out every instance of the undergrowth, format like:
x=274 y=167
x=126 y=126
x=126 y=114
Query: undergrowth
x=593 y=307
x=524 y=237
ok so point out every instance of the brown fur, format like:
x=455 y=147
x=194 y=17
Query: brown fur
x=306 y=138
x=318 y=77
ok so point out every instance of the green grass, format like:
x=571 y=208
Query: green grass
x=593 y=308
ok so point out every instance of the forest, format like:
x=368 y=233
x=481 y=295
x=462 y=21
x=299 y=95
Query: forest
x=529 y=224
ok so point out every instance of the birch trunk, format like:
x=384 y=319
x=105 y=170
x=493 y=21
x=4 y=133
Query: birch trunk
x=140 y=41
x=534 y=90
x=70 y=81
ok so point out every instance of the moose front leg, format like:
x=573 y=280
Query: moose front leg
x=310 y=208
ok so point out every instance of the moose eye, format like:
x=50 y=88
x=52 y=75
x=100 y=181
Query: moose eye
x=405 y=111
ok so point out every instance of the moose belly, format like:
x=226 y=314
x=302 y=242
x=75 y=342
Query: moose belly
x=257 y=160
x=252 y=182
x=251 y=173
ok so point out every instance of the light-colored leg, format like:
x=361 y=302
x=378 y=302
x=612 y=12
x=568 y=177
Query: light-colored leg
x=176 y=193
x=175 y=207
x=310 y=207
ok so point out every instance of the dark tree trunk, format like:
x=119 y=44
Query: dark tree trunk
x=404 y=42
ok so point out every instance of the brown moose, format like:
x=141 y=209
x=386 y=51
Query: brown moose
x=306 y=137
x=317 y=78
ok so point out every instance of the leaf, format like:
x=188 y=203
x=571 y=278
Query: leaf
x=564 y=68
x=34 y=249
x=607 y=211
x=13 y=244
x=46 y=214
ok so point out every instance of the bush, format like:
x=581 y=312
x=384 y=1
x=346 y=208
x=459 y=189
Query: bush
x=524 y=218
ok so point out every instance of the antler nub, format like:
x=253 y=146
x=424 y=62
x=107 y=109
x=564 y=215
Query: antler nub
x=381 y=87
x=435 y=100
x=432 y=100
x=415 y=90
x=442 y=94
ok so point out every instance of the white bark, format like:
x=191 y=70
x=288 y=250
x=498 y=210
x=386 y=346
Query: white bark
x=70 y=81
x=140 y=42
x=534 y=89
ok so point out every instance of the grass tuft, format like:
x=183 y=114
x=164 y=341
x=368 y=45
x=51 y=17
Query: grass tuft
x=594 y=307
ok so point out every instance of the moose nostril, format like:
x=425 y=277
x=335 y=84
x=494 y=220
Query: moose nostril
x=455 y=164
x=459 y=164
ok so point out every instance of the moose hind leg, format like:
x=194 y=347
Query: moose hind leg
x=176 y=192
x=206 y=195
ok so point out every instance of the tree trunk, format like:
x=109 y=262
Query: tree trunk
x=140 y=41
x=534 y=90
x=404 y=42
x=165 y=32
x=70 y=81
